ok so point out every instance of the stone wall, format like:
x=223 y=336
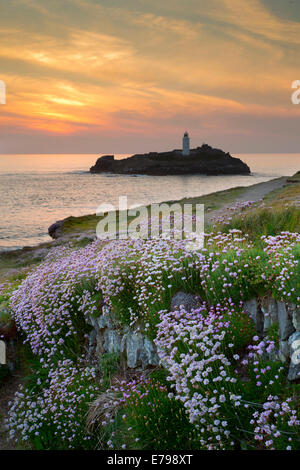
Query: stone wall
x=266 y=312
x=108 y=336
x=138 y=352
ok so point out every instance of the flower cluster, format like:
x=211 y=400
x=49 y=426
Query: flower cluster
x=233 y=210
x=276 y=426
x=211 y=379
x=191 y=346
x=283 y=251
x=51 y=301
x=52 y=414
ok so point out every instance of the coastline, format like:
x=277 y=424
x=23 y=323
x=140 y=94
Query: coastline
x=79 y=231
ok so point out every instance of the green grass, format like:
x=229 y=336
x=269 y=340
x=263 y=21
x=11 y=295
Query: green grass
x=295 y=178
x=278 y=212
x=110 y=364
x=14 y=263
x=285 y=196
x=155 y=422
x=80 y=224
x=265 y=221
x=214 y=201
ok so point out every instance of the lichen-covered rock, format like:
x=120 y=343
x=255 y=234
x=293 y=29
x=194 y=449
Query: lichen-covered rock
x=93 y=322
x=296 y=318
x=294 y=370
x=109 y=336
x=112 y=341
x=188 y=301
x=284 y=350
x=151 y=355
x=140 y=351
x=104 y=321
x=269 y=309
x=286 y=327
x=253 y=308
x=92 y=344
x=134 y=347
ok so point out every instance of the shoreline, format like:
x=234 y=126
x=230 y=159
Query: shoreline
x=268 y=185
x=271 y=202
x=79 y=231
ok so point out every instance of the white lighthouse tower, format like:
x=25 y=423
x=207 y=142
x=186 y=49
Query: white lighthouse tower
x=186 y=144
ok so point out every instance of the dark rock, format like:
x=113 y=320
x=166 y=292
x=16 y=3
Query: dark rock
x=202 y=160
x=294 y=370
x=296 y=318
x=253 y=308
x=55 y=230
x=286 y=327
x=182 y=299
x=269 y=309
x=284 y=350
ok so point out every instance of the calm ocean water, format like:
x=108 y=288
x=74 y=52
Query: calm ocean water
x=37 y=190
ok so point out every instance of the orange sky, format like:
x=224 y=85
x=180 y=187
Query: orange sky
x=131 y=75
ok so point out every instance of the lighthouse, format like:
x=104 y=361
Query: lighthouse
x=186 y=144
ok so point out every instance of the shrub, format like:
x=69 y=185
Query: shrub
x=154 y=420
x=276 y=425
x=265 y=221
x=53 y=417
x=219 y=377
x=109 y=364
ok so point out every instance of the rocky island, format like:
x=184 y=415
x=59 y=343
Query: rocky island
x=201 y=160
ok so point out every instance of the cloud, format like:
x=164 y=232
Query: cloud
x=132 y=68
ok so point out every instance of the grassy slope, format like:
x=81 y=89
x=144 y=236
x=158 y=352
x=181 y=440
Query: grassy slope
x=279 y=211
x=14 y=264
x=212 y=202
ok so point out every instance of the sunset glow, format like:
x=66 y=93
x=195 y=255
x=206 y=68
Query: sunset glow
x=120 y=76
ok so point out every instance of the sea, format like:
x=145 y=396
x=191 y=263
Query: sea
x=37 y=190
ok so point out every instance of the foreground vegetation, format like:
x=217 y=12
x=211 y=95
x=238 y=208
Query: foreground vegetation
x=219 y=386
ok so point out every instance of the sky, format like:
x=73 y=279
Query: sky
x=126 y=76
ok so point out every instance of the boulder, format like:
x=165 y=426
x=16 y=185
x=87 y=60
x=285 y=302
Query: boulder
x=294 y=369
x=109 y=336
x=183 y=299
x=253 y=308
x=296 y=318
x=55 y=230
x=269 y=309
x=286 y=327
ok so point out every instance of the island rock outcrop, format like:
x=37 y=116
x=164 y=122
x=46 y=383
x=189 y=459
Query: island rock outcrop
x=202 y=160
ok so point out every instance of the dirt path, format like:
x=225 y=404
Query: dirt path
x=260 y=190
x=252 y=193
